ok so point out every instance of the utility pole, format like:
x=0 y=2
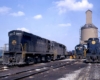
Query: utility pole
x=1 y=48
x=98 y=35
x=4 y=49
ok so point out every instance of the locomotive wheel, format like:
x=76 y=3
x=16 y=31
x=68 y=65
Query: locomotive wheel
x=65 y=56
x=79 y=57
x=48 y=58
x=29 y=60
x=52 y=58
x=58 y=57
x=38 y=59
x=43 y=59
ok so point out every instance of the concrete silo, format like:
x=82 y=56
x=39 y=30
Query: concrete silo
x=88 y=30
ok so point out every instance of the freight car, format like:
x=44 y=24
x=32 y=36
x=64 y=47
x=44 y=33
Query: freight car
x=93 y=50
x=26 y=48
x=79 y=51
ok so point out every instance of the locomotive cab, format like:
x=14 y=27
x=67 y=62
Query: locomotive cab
x=13 y=55
x=15 y=41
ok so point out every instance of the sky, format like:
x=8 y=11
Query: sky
x=56 y=20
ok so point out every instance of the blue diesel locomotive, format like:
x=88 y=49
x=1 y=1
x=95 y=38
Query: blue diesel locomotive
x=26 y=48
x=79 y=51
x=93 y=50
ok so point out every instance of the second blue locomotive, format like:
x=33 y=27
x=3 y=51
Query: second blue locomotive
x=93 y=50
x=79 y=51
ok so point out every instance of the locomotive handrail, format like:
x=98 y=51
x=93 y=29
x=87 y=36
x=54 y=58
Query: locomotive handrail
x=55 y=54
x=23 y=50
x=23 y=47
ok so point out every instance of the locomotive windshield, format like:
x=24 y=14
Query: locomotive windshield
x=12 y=33
x=95 y=39
x=15 y=33
x=18 y=34
x=78 y=47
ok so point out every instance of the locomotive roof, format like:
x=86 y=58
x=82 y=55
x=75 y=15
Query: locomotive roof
x=15 y=31
x=22 y=32
x=93 y=39
x=25 y=33
x=58 y=43
x=33 y=35
x=79 y=45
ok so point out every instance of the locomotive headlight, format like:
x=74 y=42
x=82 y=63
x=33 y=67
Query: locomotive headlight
x=93 y=42
x=14 y=42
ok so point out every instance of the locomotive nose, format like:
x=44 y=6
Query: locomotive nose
x=14 y=42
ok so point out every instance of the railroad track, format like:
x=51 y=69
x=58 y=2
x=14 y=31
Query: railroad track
x=6 y=69
x=2 y=68
x=92 y=72
x=33 y=70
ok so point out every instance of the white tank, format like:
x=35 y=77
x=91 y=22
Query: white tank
x=88 y=30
